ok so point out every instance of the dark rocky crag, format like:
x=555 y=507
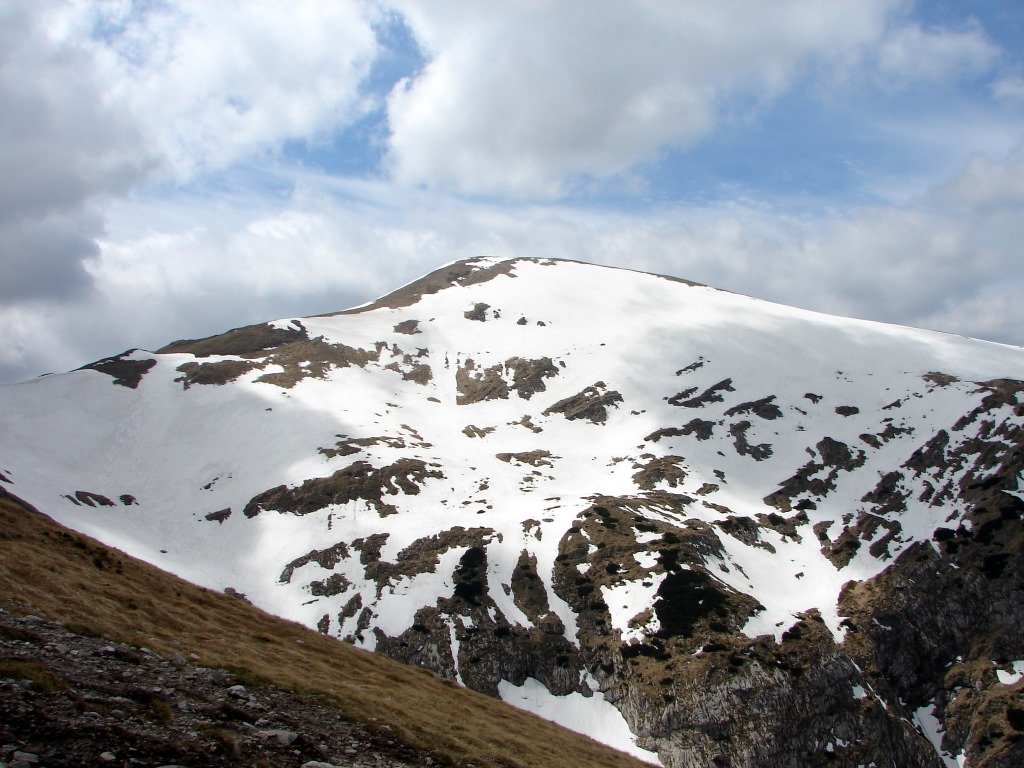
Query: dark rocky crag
x=926 y=633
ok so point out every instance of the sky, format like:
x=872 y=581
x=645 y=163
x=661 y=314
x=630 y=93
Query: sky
x=174 y=169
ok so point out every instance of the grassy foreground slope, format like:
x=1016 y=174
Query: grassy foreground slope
x=64 y=576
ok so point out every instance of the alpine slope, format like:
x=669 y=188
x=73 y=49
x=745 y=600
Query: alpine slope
x=700 y=527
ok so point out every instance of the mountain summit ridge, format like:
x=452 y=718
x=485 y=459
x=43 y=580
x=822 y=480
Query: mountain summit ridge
x=676 y=518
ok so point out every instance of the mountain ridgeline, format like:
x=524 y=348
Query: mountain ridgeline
x=705 y=529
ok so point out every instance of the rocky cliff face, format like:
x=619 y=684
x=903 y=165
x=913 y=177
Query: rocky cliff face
x=707 y=529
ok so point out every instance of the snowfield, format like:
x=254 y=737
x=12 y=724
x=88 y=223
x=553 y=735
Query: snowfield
x=498 y=411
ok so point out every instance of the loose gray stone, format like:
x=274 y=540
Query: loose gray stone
x=281 y=736
x=95 y=679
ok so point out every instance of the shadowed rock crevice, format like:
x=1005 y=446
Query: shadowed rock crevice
x=489 y=647
x=530 y=595
x=422 y=556
x=696 y=689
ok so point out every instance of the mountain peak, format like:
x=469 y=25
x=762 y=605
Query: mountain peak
x=474 y=271
x=610 y=497
x=463 y=272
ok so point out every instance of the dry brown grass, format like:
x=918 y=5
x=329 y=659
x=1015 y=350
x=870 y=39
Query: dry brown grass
x=34 y=671
x=64 y=576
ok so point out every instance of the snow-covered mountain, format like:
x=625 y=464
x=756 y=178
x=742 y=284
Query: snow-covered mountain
x=701 y=527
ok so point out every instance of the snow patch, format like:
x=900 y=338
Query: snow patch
x=1010 y=678
x=646 y=537
x=930 y=726
x=628 y=599
x=592 y=716
x=647 y=559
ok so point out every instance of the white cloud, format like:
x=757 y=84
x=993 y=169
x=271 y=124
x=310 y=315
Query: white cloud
x=213 y=83
x=948 y=261
x=912 y=54
x=529 y=101
x=522 y=99
x=96 y=97
x=62 y=151
x=985 y=185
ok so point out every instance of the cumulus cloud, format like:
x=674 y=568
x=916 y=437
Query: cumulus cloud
x=97 y=98
x=948 y=260
x=524 y=101
x=63 y=150
x=212 y=83
x=911 y=54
